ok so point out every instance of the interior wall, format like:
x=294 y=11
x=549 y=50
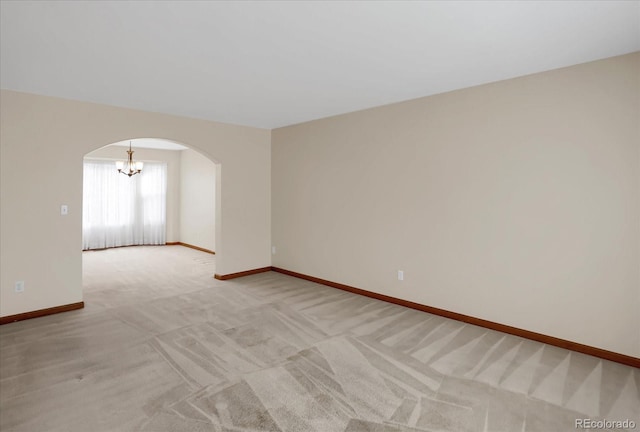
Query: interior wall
x=49 y=137
x=172 y=159
x=197 y=200
x=516 y=202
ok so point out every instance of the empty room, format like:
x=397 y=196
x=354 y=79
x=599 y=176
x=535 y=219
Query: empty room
x=319 y=216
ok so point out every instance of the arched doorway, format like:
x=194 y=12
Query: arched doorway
x=172 y=201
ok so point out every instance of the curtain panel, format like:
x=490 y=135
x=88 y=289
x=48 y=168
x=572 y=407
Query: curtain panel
x=123 y=211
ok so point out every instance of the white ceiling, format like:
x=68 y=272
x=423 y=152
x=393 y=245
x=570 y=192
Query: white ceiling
x=274 y=63
x=151 y=143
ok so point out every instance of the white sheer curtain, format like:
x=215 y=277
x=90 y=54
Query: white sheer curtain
x=121 y=211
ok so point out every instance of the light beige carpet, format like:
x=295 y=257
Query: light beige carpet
x=162 y=346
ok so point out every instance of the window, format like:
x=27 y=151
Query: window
x=121 y=211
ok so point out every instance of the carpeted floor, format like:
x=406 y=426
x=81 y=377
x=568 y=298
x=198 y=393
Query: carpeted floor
x=162 y=346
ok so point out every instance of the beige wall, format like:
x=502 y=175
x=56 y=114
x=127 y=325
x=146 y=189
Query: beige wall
x=197 y=200
x=42 y=143
x=516 y=202
x=173 y=160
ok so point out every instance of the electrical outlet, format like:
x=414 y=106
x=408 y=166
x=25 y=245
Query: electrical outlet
x=19 y=286
x=273 y=250
x=64 y=209
x=400 y=275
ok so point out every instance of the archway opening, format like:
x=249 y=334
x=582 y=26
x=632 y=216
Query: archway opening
x=172 y=201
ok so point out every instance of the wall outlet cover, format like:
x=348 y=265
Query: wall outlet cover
x=19 y=286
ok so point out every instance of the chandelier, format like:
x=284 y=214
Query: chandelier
x=129 y=167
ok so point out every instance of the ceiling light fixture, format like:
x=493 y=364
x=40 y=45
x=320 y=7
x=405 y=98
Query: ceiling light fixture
x=129 y=167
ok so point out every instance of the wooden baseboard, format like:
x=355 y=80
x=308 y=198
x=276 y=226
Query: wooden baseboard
x=123 y=246
x=243 y=273
x=190 y=246
x=550 y=340
x=41 y=312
